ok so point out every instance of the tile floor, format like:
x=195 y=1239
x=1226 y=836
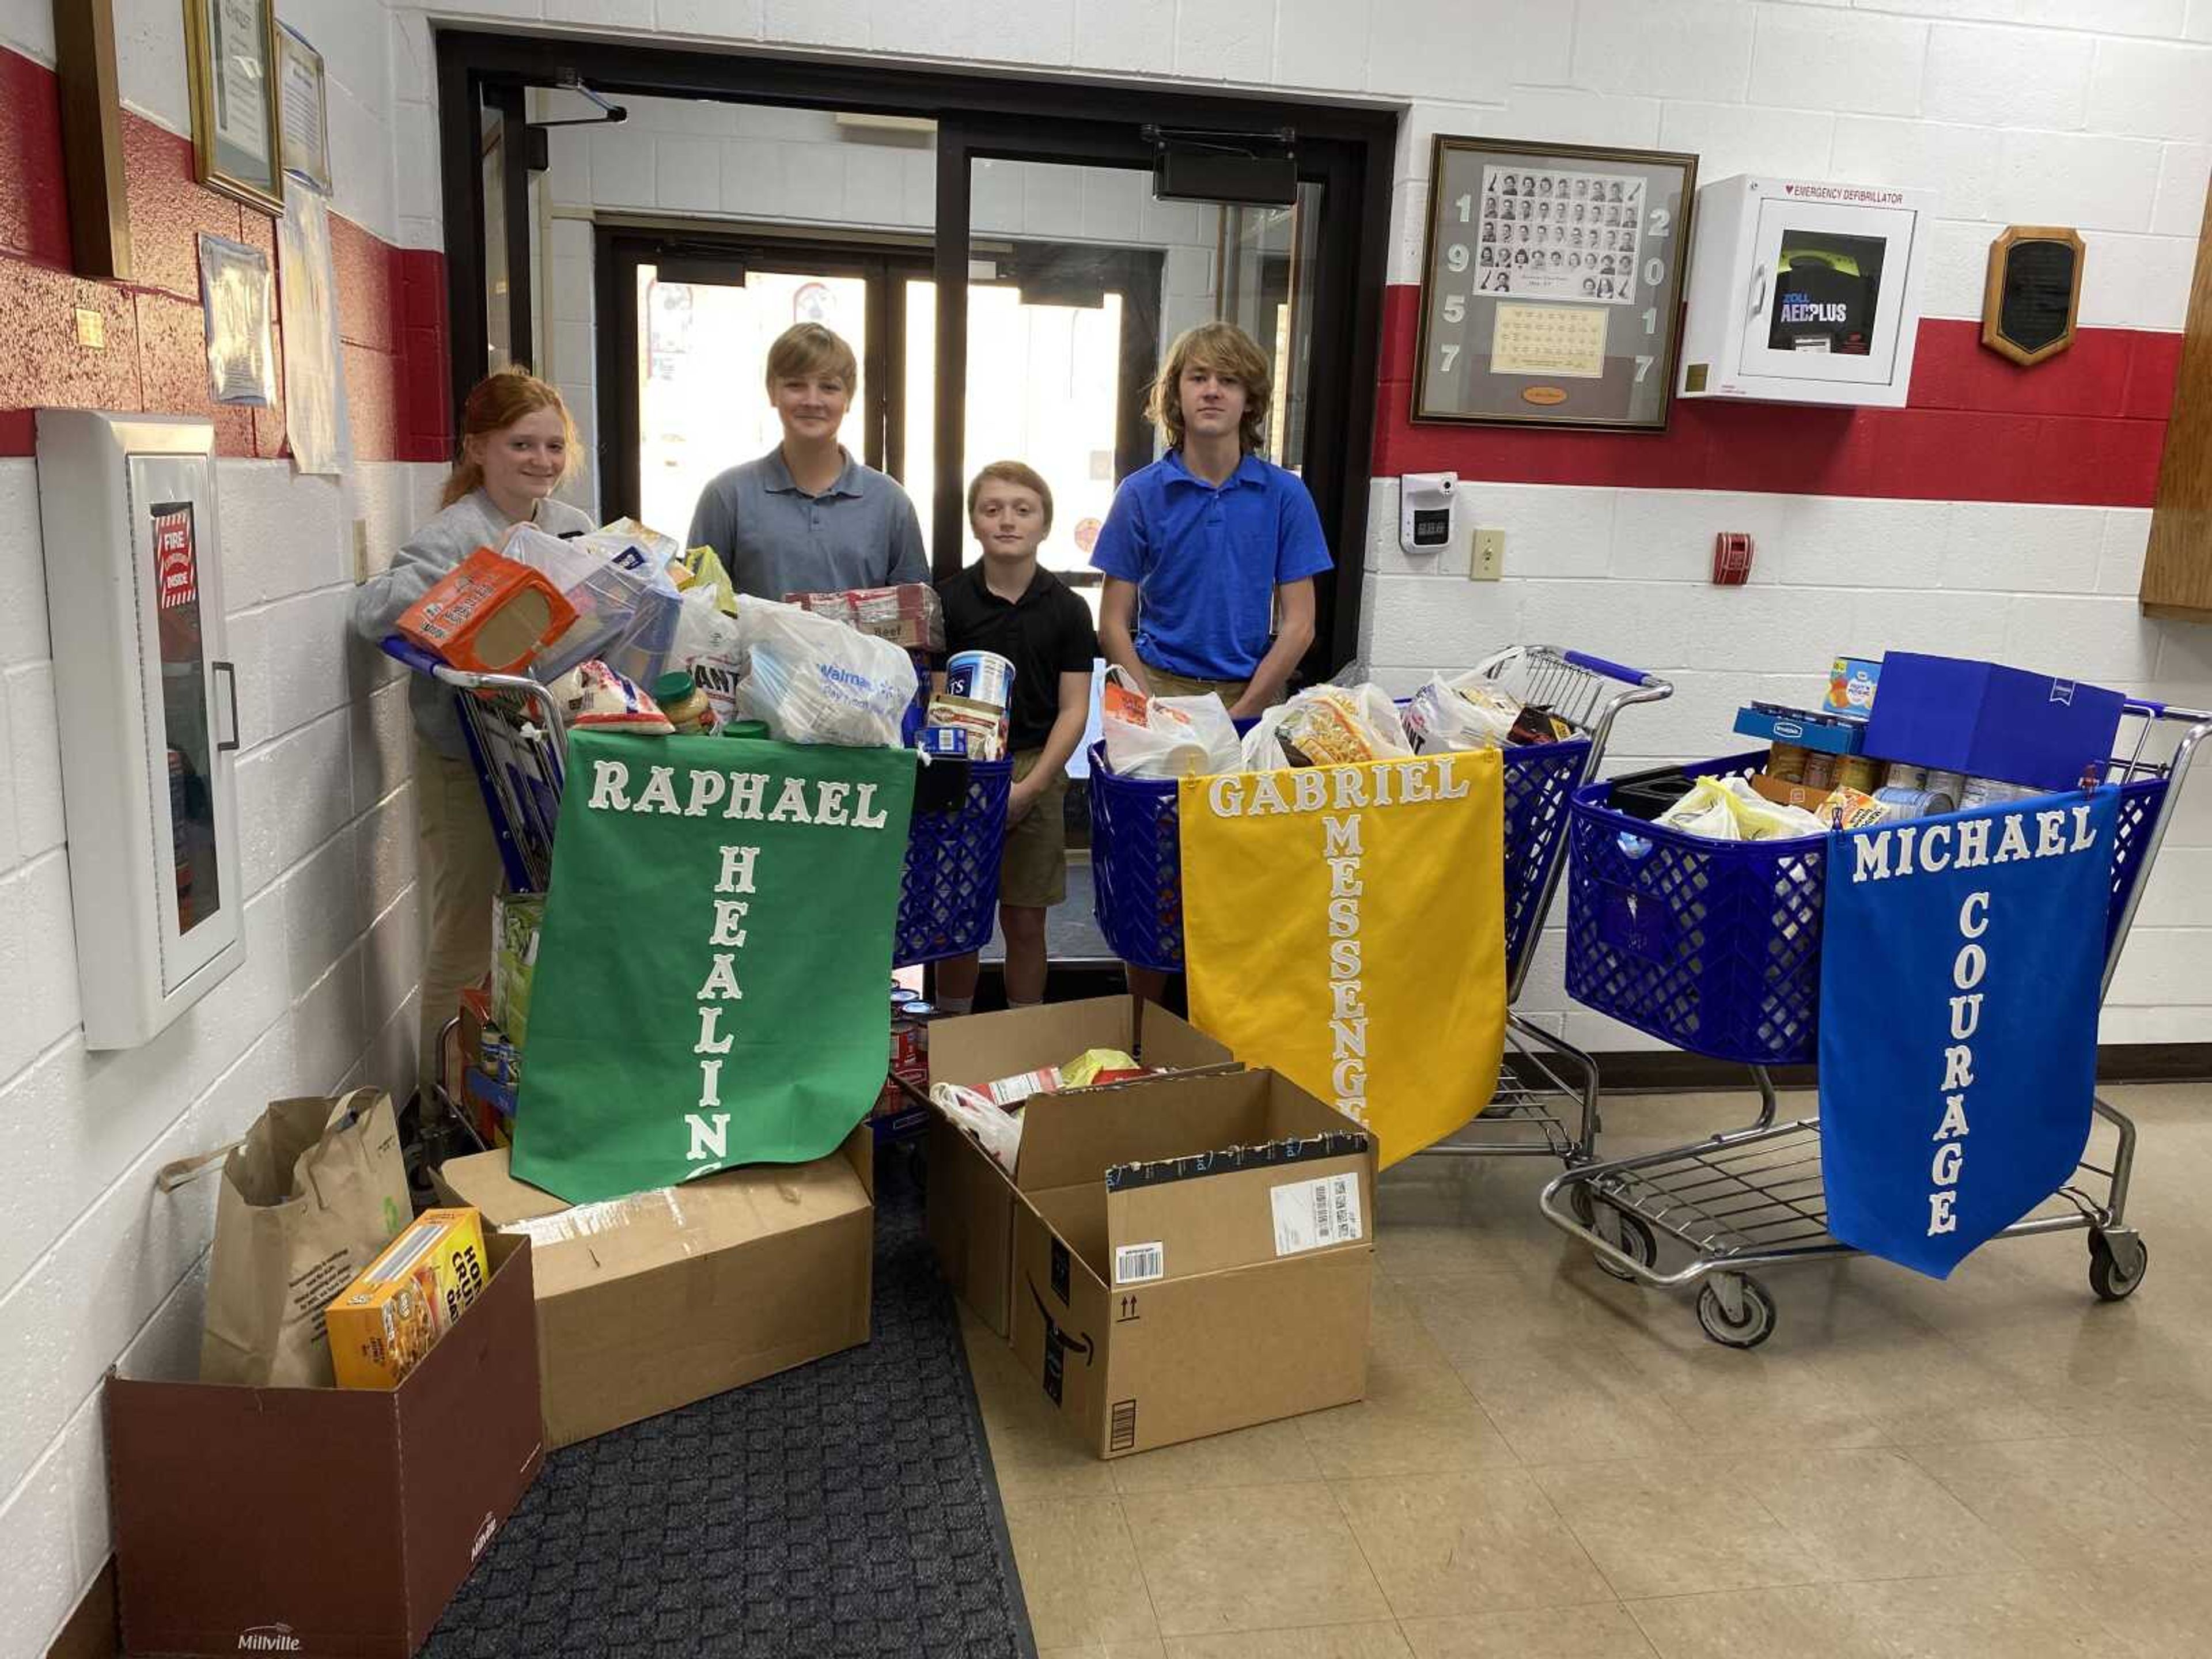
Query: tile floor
x=1550 y=1465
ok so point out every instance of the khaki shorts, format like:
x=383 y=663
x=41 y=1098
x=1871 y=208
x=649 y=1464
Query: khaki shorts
x=1033 y=870
x=1165 y=684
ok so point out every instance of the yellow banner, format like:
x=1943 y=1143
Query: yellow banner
x=1345 y=925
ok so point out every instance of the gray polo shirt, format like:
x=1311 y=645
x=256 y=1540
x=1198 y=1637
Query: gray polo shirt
x=469 y=523
x=775 y=538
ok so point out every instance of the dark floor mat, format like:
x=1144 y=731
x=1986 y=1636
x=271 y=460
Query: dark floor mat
x=845 y=1507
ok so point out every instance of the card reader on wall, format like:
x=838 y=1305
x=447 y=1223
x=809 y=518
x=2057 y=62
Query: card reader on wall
x=1425 y=519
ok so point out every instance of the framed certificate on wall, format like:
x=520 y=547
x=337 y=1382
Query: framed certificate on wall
x=1552 y=283
x=231 y=45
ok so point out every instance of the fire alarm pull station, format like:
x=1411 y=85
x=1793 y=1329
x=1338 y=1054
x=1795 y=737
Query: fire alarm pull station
x=1731 y=559
x=1424 y=511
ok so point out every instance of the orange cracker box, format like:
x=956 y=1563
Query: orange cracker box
x=407 y=1299
x=488 y=614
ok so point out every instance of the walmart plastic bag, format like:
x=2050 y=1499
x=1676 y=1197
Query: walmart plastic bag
x=1729 y=809
x=814 y=680
x=1328 y=725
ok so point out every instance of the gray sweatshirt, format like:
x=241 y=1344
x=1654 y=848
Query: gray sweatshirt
x=469 y=523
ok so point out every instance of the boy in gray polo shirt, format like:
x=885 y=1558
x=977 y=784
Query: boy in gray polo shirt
x=806 y=518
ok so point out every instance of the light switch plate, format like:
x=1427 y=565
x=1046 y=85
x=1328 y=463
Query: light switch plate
x=1487 y=562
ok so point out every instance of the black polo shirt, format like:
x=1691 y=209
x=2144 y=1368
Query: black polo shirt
x=1047 y=633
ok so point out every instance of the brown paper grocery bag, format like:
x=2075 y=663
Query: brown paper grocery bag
x=311 y=1194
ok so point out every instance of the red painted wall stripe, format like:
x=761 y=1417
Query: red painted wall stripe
x=2085 y=428
x=391 y=299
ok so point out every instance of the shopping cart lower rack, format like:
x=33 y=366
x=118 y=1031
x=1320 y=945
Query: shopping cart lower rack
x=1706 y=1213
x=1547 y=1098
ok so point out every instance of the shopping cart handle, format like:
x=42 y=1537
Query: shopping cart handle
x=1611 y=670
x=405 y=651
x=2150 y=706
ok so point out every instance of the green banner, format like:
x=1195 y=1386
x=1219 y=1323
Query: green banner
x=711 y=980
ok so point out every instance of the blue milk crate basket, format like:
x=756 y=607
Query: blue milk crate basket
x=949 y=893
x=1714 y=946
x=1136 y=851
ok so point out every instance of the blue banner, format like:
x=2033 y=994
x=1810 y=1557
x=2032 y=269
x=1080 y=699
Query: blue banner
x=1959 y=966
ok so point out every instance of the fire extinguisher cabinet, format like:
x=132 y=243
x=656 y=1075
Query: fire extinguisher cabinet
x=147 y=703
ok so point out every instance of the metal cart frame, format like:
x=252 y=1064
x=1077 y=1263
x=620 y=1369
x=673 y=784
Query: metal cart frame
x=1545 y=1103
x=1754 y=1197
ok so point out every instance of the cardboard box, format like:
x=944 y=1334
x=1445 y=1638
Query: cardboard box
x=1852 y=682
x=651 y=1301
x=971 y=1218
x=1155 y=1313
x=1833 y=734
x=330 y=1522
x=1952 y=714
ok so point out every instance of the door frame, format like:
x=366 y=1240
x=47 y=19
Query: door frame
x=1355 y=142
x=618 y=250
x=620 y=246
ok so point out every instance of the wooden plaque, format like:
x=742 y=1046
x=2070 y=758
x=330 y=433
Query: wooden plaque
x=2033 y=292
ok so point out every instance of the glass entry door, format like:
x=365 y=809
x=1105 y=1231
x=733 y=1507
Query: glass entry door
x=1033 y=333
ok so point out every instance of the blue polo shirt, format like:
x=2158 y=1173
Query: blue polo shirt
x=1206 y=561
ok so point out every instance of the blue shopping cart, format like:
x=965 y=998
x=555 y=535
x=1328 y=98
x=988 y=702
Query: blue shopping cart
x=1714 y=947
x=1136 y=867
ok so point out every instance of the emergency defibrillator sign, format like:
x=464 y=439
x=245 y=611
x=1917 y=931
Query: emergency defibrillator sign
x=1960 y=963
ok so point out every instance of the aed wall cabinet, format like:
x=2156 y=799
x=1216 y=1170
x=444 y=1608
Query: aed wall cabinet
x=1805 y=293
x=148 y=710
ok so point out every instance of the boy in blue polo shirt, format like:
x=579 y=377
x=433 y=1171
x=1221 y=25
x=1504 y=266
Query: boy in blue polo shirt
x=1220 y=546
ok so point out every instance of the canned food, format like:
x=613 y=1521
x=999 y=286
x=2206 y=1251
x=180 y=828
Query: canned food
x=1903 y=774
x=1897 y=803
x=1819 y=769
x=1953 y=784
x=981 y=676
x=1786 y=761
x=944 y=741
x=1859 y=772
x=1992 y=792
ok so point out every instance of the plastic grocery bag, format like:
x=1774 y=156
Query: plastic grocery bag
x=1327 y=725
x=996 y=1129
x=626 y=603
x=1470 y=712
x=813 y=680
x=1151 y=737
x=1729 y=809
x=707 y=647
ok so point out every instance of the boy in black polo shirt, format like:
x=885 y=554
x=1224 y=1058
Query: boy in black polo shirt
x=1006 y=603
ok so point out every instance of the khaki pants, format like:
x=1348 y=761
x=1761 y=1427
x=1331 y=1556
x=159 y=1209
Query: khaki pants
x=458 y=872
x=1165 y=684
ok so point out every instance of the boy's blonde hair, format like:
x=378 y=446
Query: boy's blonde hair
x=1226 y=349
x=1020 y=475
x=806 y=349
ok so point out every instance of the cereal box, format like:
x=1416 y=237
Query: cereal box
x=407 y=1299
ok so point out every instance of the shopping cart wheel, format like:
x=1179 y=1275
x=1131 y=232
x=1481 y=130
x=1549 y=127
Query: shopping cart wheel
x=1751 y=1324
x=1579 y=1201
x=1635 y=1243
x=2118 y=1263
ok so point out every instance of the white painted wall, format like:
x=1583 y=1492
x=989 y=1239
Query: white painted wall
x=95 y=1265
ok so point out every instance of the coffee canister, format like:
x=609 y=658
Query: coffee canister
x=980 y=677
